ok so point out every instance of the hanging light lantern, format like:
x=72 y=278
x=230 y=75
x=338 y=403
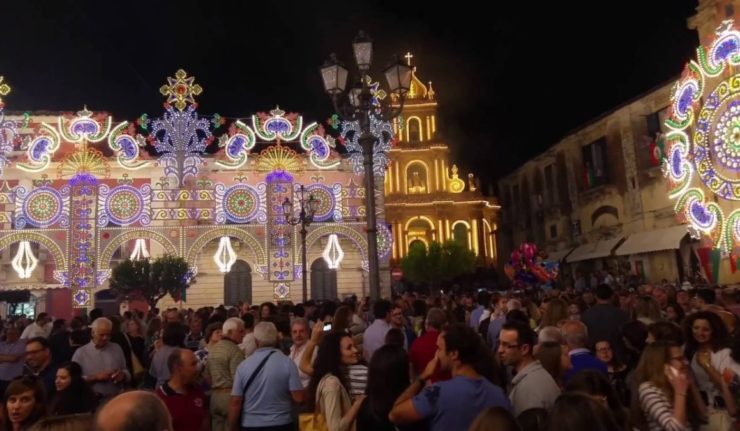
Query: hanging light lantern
x=225 y=256
x=24 y=261
x=333 y=253
x=140 y=251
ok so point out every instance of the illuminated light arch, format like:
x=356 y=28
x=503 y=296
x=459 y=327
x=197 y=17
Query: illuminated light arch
x=258 y=251
x=427 y=180
x=354 y=236
x=60 y=260
x=420 y=239
x=469 y=228
x=416 y=218
x=408 y=128
x=107 y=254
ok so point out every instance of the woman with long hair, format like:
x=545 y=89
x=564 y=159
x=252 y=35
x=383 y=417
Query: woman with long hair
x=495 y=419
x=663 y=388
x=550 y=355
x=578 y=411
x=388 y=377
x=597 y=384
x=674 y=313
x=25 y=403
x=153 y=334
x=616 y=369
x=328 y=391
x=64 y=423
x=72 y=395
x=706 y=348
x=557 y=310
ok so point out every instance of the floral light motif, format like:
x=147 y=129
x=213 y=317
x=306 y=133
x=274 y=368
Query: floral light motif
x=126 y=147
x=180 y=138
x=237 y=144
x=41 y=149
x=708 y=143
x=181 y=89
x=319 y=146
x=278 y=158
x=84 y=128
x=8 y=130
x=277 y=125
x=383 y=132
x=4 y=89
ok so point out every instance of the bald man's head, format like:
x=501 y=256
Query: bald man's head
x=134 y=411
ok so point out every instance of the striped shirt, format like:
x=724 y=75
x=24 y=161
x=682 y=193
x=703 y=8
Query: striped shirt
x=658 y=409
x=357 y=375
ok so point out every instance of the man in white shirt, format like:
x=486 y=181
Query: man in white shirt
x=374 y=337
x=299 y=335
x=40 y=328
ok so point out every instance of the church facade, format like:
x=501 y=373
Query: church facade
x=427 y=198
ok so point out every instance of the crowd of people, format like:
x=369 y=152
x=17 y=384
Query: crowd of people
x=648 y=357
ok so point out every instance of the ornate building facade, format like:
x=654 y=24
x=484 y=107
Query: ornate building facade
x=80 y=193
x=425 y=198
x=598 y=199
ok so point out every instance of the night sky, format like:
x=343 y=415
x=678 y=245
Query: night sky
x=510 y=81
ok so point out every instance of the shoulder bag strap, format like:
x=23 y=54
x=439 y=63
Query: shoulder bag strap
x=254 y=374
x=249 y=382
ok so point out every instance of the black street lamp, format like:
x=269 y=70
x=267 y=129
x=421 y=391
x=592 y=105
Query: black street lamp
x=357 y=104
x=305 y=218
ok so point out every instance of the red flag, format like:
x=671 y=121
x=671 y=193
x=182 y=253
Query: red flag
x=703 y=253
x=733 y=263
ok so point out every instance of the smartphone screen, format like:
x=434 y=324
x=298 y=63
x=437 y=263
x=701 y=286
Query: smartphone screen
x=327 y=327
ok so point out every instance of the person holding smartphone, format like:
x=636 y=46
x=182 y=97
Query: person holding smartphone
x=665 y=387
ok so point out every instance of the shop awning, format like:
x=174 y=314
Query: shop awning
x=653 y=240
x=593 y=250
x=557 y=256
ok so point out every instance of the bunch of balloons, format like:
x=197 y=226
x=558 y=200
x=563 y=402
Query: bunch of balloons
x=528 y=268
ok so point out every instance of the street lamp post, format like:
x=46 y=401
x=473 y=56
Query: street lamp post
x=305 y=218
x=357 y=104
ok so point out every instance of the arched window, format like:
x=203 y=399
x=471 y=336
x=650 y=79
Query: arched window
x=460 y=234
x=238 y=284
x=416 y=178
x=323 y=280
x=414 y=125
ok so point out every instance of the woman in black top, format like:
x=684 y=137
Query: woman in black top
x=72 y=395
x=388 y=376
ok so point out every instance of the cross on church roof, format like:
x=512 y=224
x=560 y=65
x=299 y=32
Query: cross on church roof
x=408 y=57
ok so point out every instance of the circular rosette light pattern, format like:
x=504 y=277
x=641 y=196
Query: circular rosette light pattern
x=43 y=207
x=703 y=141
x=241 y=203
x=124 y=205
x=385 y=241
x=325 y=196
